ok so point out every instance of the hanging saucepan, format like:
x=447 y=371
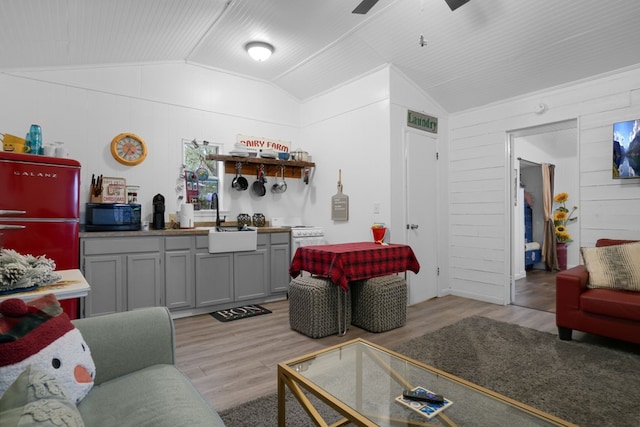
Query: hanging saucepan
x=240 y=183
x=275 y=188
x=280 y=185
x=258 y=185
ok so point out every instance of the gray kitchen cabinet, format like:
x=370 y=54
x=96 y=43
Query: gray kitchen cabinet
x=178 y=272
x=251 y=271
x=105 y=276
x=179 y=291
x=144 y=281
x=213 y=275
x=280 y=259
x=124 y=273
x=214 y=279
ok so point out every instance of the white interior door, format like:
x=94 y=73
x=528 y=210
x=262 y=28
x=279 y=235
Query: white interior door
x=421 y=203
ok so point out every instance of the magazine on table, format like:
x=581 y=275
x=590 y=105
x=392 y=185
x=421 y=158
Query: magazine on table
x=426 y=409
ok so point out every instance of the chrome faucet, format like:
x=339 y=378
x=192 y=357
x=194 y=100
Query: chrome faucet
x=214 y=199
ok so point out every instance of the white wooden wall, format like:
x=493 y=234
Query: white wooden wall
x=478 y=176
x=163 y=103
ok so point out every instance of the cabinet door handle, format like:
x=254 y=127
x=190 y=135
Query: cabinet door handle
x=11 y=227
x=7 y=212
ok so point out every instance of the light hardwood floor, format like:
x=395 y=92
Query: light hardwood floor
x=232 y=363
x=537 y=290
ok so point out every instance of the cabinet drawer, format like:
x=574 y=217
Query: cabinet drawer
x=178 y=243
x=280 y=238
x=202 y=242
x=263 y=239
x=106 y=245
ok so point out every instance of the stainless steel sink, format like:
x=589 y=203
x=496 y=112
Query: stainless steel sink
x=230 y=239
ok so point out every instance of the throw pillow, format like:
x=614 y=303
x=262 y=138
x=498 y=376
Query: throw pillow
x=36 y=399
x=613 y=267
x=39 y=334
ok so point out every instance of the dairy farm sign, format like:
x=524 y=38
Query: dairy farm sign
x=254 y=143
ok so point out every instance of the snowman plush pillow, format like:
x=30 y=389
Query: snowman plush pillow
x=40 y=335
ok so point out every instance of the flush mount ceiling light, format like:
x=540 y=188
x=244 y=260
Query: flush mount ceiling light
x=259 y=51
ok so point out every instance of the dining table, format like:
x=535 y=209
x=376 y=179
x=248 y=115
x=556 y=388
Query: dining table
x=345 y=262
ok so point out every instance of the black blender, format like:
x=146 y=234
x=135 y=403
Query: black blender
x=158 y=212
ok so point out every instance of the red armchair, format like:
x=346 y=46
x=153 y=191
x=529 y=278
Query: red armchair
x=606 y=312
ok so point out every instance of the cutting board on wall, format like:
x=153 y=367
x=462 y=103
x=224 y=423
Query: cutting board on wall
x=340 y=203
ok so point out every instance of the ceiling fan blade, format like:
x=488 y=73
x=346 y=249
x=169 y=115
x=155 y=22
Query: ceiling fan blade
x=454 y=4
x=365 y=6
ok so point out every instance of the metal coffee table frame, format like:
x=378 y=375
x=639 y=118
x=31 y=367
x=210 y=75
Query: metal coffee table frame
x=291 y=375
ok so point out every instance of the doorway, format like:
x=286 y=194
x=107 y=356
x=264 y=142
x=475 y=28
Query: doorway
x=556 y=143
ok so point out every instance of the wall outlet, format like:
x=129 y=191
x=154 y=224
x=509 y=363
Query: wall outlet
x=376 y=207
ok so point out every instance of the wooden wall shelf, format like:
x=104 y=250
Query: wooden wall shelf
x=292 y=168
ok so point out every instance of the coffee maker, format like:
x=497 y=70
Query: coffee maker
x=158 y=212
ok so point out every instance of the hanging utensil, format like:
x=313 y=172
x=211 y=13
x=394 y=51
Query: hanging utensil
x=283 y=184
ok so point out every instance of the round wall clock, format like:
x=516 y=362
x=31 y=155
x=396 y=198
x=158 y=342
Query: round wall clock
x=128 y=149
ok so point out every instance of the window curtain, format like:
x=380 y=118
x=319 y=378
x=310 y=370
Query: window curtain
x=549 y=254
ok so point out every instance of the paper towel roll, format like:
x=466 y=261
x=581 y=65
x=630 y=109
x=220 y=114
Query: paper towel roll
x=186 y=215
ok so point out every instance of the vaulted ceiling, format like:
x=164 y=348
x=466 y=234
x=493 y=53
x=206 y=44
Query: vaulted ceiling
x=484 y=51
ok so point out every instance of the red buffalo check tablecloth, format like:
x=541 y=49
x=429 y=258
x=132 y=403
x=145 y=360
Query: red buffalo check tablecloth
x=345 y=262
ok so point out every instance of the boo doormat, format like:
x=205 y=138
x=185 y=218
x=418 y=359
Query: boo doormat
x=239 y=312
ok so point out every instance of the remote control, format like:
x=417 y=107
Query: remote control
x=422 y=396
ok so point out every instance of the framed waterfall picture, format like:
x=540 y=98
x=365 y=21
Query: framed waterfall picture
x=626 y=149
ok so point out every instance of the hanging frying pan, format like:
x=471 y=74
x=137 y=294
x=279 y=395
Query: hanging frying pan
x=239 y=182
x=258 y=186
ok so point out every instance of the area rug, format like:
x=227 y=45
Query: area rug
x=587 y=384
x=242 y=312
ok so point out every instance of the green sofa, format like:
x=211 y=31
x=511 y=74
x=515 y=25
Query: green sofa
x=137 y=383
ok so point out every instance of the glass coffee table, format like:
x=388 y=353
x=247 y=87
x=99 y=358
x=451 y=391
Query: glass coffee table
x=361 y=381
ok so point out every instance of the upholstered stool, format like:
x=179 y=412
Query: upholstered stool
x=379 y=304
x=317 y=307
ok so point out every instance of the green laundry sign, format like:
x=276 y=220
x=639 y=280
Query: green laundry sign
x=422 y=121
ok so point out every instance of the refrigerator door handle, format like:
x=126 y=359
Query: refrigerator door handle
x=11 y=227
x=7 y=212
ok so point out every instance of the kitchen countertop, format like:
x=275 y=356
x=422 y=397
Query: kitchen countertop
x=173 y=232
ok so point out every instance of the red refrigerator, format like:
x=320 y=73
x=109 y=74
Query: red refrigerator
x=40 y=209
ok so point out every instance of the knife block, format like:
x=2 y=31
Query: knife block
x=112 y=190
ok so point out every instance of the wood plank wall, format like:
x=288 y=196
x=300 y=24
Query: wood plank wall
x=479 y=173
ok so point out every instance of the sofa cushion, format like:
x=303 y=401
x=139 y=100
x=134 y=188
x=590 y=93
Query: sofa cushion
x=611 y=242
x=159 y=395
x=612 y=303
x=613 y=267
x=36 y=399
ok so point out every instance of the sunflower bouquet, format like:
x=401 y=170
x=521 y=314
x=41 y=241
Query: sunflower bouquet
x=562 y=216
